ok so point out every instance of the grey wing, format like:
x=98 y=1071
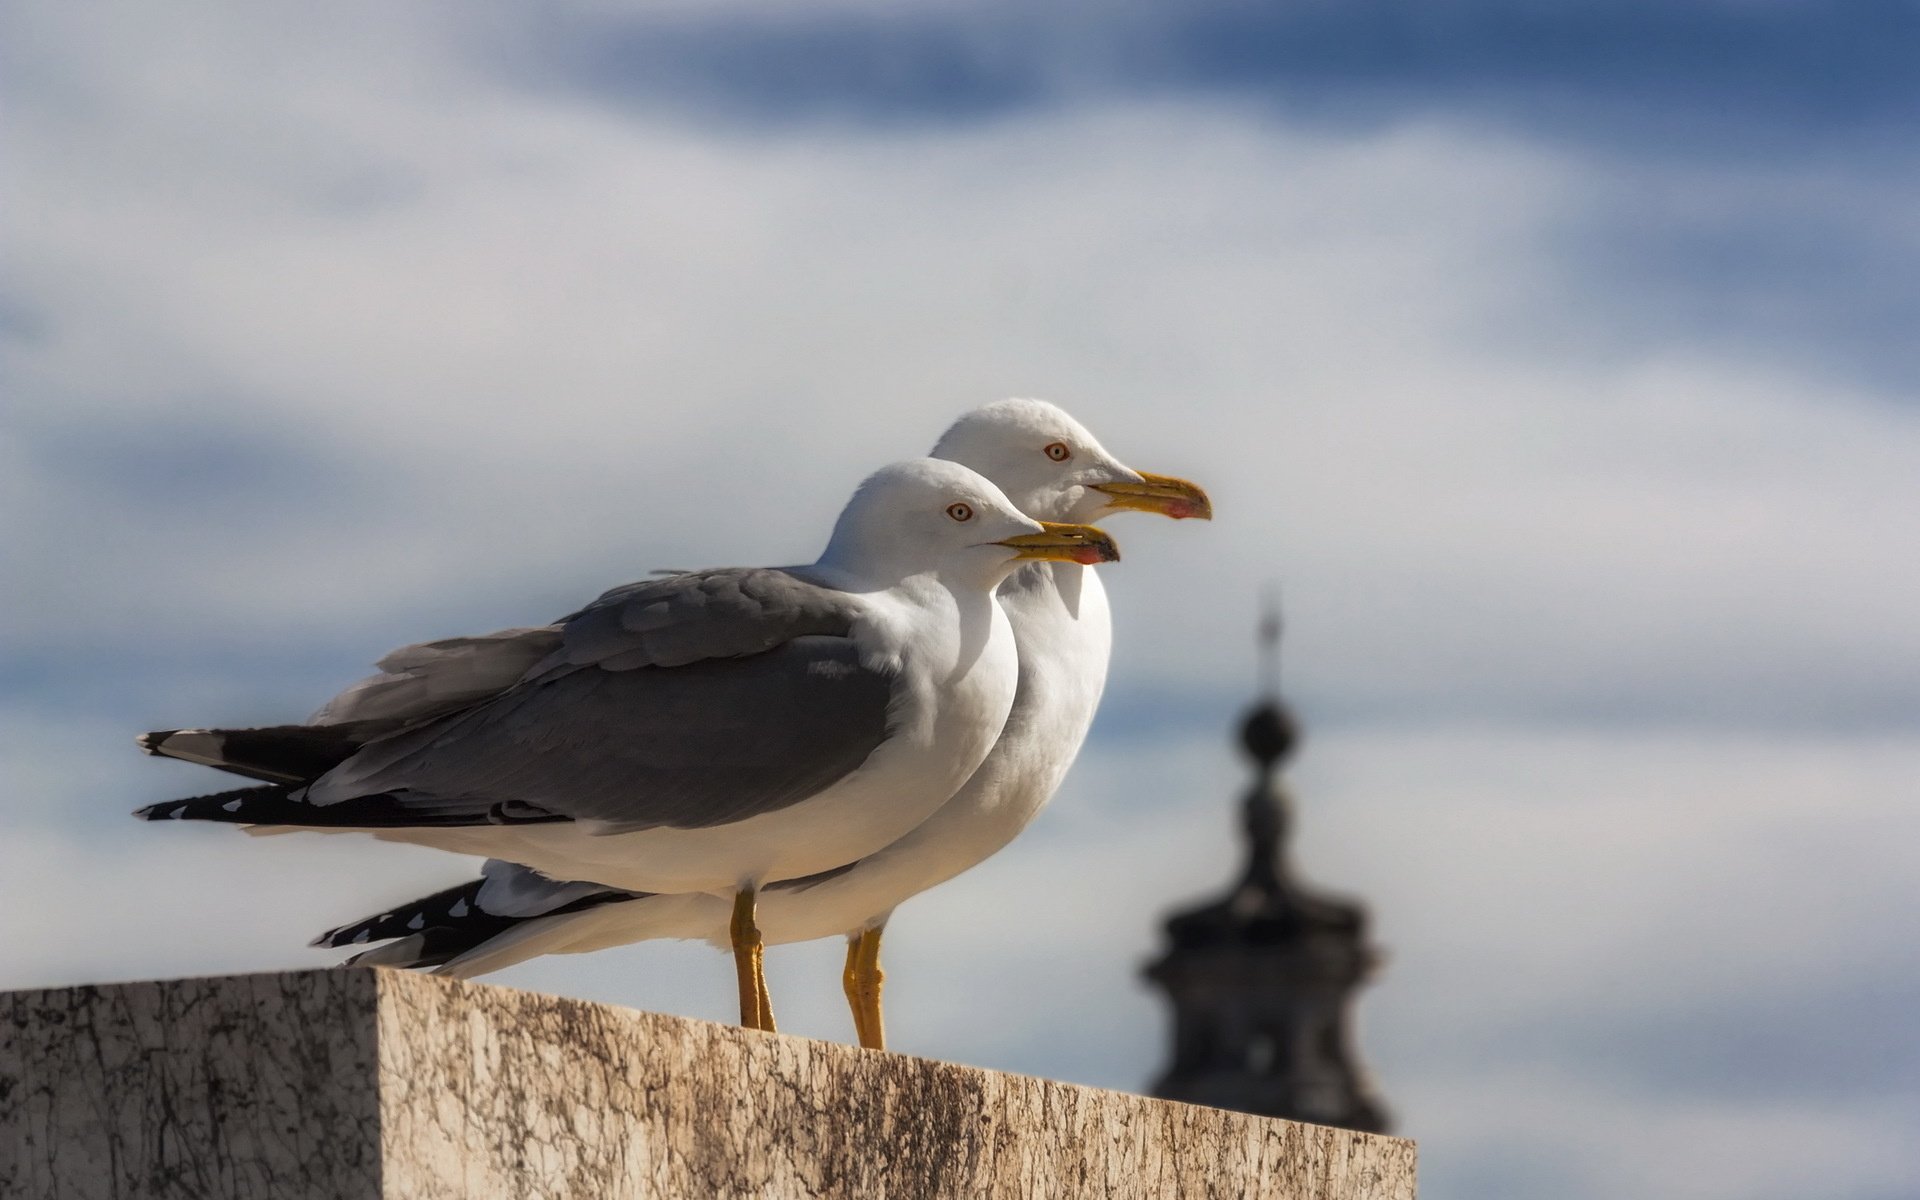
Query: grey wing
x=421 y=682
x=700 y=615
x=686 y=747
x=684 y=617
x=684 y=703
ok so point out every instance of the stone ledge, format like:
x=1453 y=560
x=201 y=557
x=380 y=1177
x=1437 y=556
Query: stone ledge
x=362 y=1084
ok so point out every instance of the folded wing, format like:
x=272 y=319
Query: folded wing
x=684 y=702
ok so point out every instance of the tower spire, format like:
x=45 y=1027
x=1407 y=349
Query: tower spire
x=1268 y=735
x=1261 y=978
x=1270 y=630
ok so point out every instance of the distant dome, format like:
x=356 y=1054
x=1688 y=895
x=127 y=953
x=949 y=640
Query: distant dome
x=1270 y=732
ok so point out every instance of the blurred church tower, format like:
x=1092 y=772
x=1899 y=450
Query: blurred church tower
x=1261 y=979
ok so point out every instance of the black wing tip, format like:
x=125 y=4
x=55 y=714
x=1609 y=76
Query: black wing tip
x=436 y=929
x=287 y=804
x=446 y=908
x=269 y=753
x=356 y=934
x=244 y=806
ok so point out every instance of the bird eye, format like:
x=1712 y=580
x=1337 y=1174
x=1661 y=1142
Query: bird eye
x=960 y=512
x=1058 y=452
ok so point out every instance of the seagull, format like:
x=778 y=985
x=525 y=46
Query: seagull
x=1053 y=469
x=706 y=732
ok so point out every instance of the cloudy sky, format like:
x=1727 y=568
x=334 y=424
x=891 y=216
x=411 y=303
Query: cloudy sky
x=1557 y=358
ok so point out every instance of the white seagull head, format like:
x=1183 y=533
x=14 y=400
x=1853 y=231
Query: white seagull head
x=932 y=516
x=1052 y=468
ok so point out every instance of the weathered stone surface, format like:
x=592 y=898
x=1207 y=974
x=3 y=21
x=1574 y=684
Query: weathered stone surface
x=363 y=1084
x=256 y=1085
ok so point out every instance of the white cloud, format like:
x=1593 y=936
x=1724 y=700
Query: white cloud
x=563 y=335
x=508 y=347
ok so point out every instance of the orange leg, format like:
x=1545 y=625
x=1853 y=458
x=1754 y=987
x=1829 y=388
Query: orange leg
x=749 y=964
x=862 y=981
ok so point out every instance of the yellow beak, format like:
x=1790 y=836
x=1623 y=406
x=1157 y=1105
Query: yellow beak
x=1161 y=494
x=1082 y=544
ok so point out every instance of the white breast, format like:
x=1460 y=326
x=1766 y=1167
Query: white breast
x=1065 y=634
